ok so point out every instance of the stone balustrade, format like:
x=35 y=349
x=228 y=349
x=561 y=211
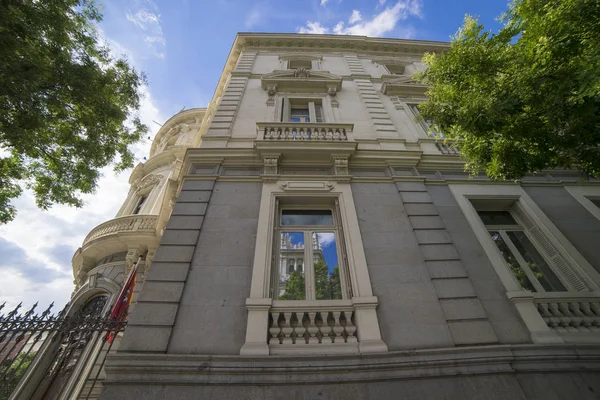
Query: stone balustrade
x=303 y=131
x=570 y=315
x=333 y=326
x=130 y=223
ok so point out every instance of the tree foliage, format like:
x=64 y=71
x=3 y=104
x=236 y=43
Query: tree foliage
x=327 y=286
x=526 y=98
x=67 y=107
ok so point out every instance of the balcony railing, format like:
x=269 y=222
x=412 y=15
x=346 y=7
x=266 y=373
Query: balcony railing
x=129 y=224
x=303 y=131
x=570 y=314
x=300 y=327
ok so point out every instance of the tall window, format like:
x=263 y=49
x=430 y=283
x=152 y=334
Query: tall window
x=308 y=260
x=425 y=124
x=301 y=110
x=524 y=260
x=139 y=204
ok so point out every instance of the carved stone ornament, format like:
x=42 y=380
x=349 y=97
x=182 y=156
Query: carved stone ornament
x=332 y=91
x=272 y=90
x=270 y=164
x=302 y=73
x=149 y=180
x=340 y=166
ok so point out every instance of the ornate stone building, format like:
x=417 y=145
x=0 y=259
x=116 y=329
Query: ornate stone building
x=417 y=281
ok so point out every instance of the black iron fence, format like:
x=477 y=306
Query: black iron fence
x=45 y=355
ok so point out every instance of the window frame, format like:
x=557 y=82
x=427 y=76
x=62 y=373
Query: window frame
x=424 y=124
x=503 y=230
x=299 y=60
x=313 y=104
x=577 y=270
x=308 y=254
x=584 y=194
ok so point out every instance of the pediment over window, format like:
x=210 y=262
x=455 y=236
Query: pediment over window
x=301 y=81
x=403 y=85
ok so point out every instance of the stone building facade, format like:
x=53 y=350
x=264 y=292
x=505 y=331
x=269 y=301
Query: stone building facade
x=426 y=282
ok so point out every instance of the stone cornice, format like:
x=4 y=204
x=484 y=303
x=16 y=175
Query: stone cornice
x=190 y=369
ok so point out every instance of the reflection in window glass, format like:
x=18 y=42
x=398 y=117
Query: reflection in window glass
x=513 y=264
x=291 y=282
x=306 y=217
x=536 y=262
x=327 y=271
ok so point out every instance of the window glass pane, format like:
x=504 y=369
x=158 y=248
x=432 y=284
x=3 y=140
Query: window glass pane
x=513 y=264
x=596 y=202
x=291 y=279
x=306 y=217
x=496 y=218
x=327 y=268
x=536 y=262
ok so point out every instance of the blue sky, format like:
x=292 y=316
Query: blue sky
x=182 y=46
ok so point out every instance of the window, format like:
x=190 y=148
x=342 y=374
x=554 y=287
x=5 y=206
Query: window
x=301 y=110
x=308 y=254
x=525 y=262
x=139 y=204
x=427 y=125
x=395 y=69
x=296 y=64
x=588 y=196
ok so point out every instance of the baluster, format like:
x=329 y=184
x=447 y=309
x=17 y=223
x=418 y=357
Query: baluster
x=350 y=328
x=336 y=134
x=595 y=313
x=344 y=136
x=312 y=328
x=571 y=322
x=274 y=329
x=301 y=133
x=301 y=328
x=329 y=135
x=563 y=322
x=319 y=325
x=580 y=318
x=546 y=315
x=287 y=328
x=337 y=328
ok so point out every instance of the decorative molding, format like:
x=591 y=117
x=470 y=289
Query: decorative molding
x=301 y=80
x=302 y=73
x=308 y=186
x=270 y=165
x=340 y=166
x=332 y=92
x=402 y=85
x=149 y=180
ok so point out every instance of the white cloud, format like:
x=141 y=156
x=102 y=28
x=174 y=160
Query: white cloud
x=37 y=246
x=381 y=24
x=355 y=17
x=149 y=22
x=326 y=238
x=313 y=27
x=324 y=3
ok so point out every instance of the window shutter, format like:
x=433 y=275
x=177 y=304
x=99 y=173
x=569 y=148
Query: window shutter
x=559 y=263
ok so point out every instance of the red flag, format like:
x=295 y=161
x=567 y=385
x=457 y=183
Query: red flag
x=119 y=311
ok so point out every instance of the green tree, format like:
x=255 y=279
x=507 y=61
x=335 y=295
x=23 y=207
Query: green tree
x=294 y=287
x=64 y=103
x=526 y=98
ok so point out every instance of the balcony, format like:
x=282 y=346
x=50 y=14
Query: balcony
x=131 y=225
x=303 y=131
x=565 y=314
